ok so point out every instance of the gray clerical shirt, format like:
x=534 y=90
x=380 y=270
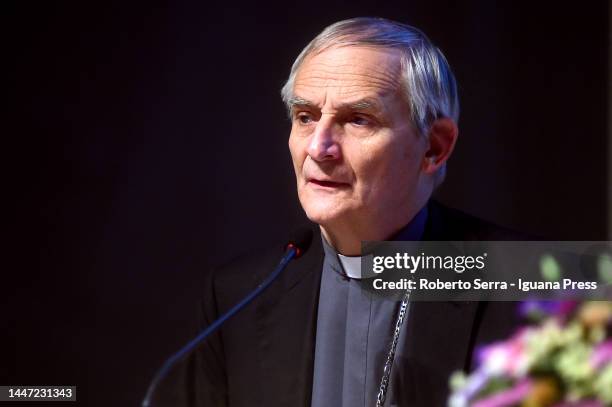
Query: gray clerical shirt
x=354 y=331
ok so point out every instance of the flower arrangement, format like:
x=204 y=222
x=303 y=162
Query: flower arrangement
x=563 y=360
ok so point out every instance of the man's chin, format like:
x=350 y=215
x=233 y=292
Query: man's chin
x=323 y=216
x=324 y=210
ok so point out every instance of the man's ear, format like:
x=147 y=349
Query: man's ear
x=442 y=138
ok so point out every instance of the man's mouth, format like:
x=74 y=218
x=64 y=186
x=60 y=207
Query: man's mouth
x=328 y=184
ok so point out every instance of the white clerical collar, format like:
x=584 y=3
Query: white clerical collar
x=352 y=267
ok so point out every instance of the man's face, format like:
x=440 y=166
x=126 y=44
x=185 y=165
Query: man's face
x=356 y=155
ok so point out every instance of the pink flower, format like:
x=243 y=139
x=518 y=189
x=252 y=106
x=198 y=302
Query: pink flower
x=505 y=358
x=602 y=354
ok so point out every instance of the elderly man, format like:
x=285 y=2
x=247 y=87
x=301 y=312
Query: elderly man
x=373 y=106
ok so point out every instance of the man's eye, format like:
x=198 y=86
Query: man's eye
x=304 y=118
x=360 y=121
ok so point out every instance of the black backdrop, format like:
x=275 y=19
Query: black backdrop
x=147 y=143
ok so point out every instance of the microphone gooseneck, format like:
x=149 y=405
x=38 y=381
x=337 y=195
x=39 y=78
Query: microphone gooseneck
x=295 y=247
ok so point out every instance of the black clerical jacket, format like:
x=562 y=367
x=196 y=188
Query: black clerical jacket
x=264 y=356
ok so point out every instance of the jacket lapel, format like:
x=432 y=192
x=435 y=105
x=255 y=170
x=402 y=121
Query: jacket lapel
x=286 y=328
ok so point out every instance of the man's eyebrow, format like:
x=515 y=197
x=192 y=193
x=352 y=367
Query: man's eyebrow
x=298 y=101
x=361 y=104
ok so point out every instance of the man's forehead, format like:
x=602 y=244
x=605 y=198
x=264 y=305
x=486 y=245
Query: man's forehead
x=347 y=55
x=349 y=75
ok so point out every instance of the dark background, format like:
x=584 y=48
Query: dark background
x=145 y=144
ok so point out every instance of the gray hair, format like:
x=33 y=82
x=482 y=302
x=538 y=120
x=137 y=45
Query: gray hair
x=427 y=78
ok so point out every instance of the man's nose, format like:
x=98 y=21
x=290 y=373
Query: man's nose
x=323 y=145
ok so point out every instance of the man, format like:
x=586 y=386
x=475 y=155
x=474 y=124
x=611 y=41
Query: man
x=374 y=108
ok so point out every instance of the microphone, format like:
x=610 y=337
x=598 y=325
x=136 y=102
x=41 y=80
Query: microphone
x=296 y=246
x=300 y=241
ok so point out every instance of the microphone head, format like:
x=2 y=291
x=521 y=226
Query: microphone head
x=300 y=241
